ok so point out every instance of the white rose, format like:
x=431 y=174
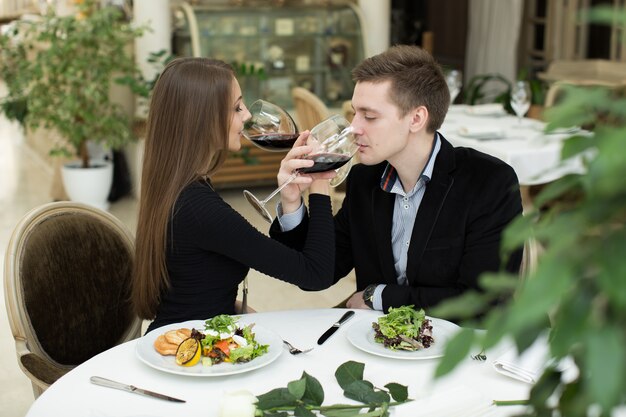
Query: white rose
x=238 y=404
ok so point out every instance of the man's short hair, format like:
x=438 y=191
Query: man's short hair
x=416 y=80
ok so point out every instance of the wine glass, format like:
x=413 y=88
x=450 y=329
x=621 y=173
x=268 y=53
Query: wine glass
x=270 y=128
x=520 y=99
x=334 y=145
x=454 y=79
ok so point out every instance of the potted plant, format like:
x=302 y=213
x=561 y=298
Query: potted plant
x=59 y=71
x=578 y=290
x=488 y=88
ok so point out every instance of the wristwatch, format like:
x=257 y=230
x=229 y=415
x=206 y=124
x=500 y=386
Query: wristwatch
x=368 y=295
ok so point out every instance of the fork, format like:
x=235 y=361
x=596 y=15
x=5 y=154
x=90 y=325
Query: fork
x=294 y=350
x=480 y=356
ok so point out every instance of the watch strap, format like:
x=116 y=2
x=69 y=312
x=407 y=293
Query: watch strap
x=368 y=295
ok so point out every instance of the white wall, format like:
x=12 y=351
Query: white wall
x=376 y=21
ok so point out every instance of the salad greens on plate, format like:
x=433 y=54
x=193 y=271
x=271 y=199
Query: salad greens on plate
x=225 y=341
x=404 y=328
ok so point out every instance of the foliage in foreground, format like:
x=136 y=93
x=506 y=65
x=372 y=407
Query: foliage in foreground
x=579 y=287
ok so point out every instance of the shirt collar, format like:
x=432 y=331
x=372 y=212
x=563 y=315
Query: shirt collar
x=390 y=176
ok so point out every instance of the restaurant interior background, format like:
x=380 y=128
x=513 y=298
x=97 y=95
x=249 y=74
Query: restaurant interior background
x=536 y=39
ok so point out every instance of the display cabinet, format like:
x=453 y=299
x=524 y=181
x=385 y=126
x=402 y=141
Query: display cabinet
x=275 y=48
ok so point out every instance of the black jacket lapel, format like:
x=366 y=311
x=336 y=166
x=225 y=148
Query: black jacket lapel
x=434 y=197
x=382 y=216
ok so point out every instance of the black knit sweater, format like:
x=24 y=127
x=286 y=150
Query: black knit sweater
x=211 y=247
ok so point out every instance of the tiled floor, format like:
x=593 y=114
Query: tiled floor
x=25 y=183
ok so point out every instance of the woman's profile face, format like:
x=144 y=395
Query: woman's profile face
x=240 y=114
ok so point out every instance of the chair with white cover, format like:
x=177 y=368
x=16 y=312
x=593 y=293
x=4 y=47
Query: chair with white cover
x=68 y=270
x=557 y=88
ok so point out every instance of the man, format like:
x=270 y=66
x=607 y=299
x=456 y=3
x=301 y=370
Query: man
x=421 y=220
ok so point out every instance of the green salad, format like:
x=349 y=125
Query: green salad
x=223 y=340
x=404 y=328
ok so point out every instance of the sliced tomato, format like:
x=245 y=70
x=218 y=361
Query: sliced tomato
x=223 y=345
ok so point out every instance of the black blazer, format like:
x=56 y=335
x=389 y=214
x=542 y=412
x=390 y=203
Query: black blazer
x=470 y=199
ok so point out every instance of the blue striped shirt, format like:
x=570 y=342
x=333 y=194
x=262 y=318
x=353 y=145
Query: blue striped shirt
x=404 y=212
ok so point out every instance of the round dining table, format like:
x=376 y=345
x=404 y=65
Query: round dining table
x=522 y=143
x=469 y=390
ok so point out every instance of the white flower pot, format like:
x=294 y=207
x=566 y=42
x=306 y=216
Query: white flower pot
x=89 y=185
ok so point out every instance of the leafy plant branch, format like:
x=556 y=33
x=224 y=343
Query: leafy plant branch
x=304 y=397
x=578 y=291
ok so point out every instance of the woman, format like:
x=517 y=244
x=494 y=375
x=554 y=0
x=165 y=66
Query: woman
x=192 y=248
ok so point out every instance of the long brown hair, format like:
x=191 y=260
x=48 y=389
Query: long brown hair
x=186 y=140
x=416 y=80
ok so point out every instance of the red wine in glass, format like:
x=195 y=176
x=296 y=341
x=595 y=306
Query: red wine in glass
x=270 y=127
x=323 y=162
x=271 y=141
x=333 y=142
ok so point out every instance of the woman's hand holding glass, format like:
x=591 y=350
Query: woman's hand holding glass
x=293 y=161
x=329 y=146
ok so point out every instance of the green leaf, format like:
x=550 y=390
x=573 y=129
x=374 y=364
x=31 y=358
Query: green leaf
x=399 y=393
x=466 y=305
x=456 y=350
x=363 y=391
x=314 y=393
x=349 y=372
x=301 y=411
x=499 y=283
x=605 y=358
x=574 y=399
x=359 y=391
x=576 y=145
x=571 y=322
x=557 y=188
x=544 y=388
x=539 y=294
x=297 y=388
x=278 y=397
x=613 y=270
x=379 y=397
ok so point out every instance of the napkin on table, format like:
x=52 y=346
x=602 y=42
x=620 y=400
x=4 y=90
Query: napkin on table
x=529 y=366
x=458 y=400
x=481 y=132
x=491 y=109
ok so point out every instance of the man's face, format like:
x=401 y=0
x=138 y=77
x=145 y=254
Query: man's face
x=382 y=134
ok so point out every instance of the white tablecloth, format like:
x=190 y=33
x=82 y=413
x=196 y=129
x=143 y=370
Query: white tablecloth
x=533 y=155
x=474 y=383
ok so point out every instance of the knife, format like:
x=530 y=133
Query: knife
x=334 y=327
x=98 y=380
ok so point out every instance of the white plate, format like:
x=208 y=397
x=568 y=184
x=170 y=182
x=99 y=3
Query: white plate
x=147 y=354
x=361 y=335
